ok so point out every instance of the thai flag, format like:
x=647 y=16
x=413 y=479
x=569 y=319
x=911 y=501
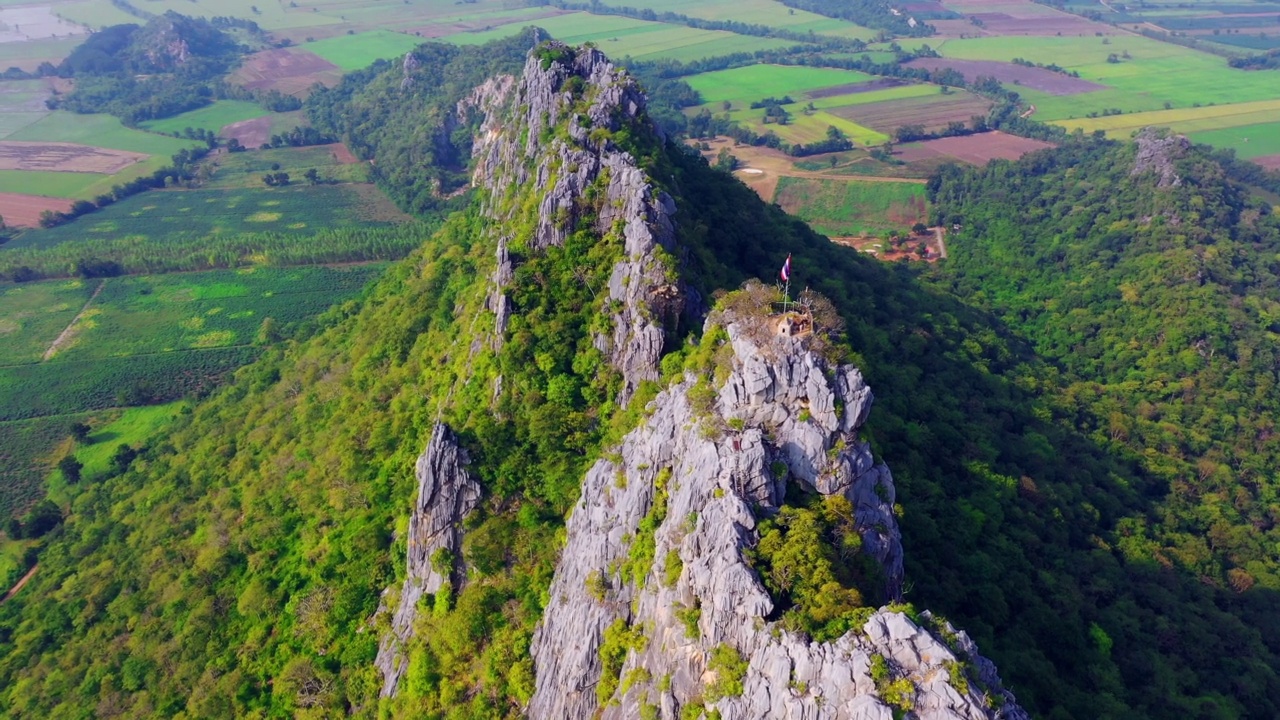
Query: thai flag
x=786 y=270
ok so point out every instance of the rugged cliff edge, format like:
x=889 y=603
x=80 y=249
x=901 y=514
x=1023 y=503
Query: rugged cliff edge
x=446 y=493
x=692 y=622
x=556 y=129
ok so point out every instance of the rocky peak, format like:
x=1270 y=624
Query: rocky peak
x=446 y=494
x=1157 y=152
x=655 y=607
x=555 y=132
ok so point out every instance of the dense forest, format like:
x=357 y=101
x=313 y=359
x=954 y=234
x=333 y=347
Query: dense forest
x=1076 y=408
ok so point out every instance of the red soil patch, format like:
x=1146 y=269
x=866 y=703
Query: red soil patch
x=251 y=133
x=1021 y=17
x=291 y=71
x=24 y=210
x=977 y=149
x=64 y=157
x=1035 y=78
x=932 y=112
x=1270 y=162
x=342 y=154
x=854 y=88
x=907 y=250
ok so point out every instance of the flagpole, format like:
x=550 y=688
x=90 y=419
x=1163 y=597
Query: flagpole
x=786 y=293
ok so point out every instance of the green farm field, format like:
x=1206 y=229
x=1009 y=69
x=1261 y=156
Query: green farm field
x=1249 y=141
x=21 y=104
x=212 y=117
x=353 y=52
x=29 y=54
x=745 y=85
x=620 y=37
x=26 y=458
x=758 y=12
x=32 y=315
x=269 y=15
x=149 y=314
x=245 y=169
x=1186 y=120
x=298 y=210
x=853 y=207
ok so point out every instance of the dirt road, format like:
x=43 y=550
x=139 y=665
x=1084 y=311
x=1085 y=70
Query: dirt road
x=14 y=590
x=67 y=332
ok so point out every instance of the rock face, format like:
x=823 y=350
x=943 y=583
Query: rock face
x=1157 y=153
x=782 y=415
x=518 y=145
x=446 y=493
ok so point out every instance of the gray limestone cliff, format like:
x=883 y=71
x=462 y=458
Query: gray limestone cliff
x=520 y=143
x=1157 y=151
x=692 y=483
x=446 y=494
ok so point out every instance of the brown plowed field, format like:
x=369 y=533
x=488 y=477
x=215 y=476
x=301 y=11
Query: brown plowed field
x=933 y=112
x=1022 y=17
x=1271 y=162
x=854 y=88
x=291 y=71
x=24 y=210
x=251 y=133
x=64 y=157
x=977 y=149
x=1035 y=78
x=343 y=155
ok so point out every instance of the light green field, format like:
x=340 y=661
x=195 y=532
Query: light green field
x=745 y=85
x=133 y=427
x=21 y=104
x=99 y=131
x=758 y=12
x=1182 y=120
x=853 y=207
x=1155 y=73
x=245 y=169
x=29 y=54
x=52 y=184
x=270 y=15
x=1249 y=141
x=620 y=37
x=212 y=117
x=97 y=14
x=32 y=315
x=353 y=52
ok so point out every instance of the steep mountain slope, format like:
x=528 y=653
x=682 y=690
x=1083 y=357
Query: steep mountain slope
x=238 y=567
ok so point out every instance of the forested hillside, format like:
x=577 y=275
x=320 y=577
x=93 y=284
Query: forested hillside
x=234 y=568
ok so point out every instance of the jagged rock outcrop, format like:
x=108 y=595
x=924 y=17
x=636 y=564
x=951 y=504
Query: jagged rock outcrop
x=446 y=494
x=517 y=145
x=1156 y=153
x=782 y=415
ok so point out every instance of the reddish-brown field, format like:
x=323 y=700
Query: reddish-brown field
x=251 y=133
x=854 y=88
x=64 y=157
x=977 y=149
x=933 y=112
x=1035 y=78
x=291 y=71
x=1270 y=162
x=24 y=210
x=1023 y=17
x=342 y=154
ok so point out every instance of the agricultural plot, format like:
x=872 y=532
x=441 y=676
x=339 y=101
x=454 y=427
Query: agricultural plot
x=211 y=117
x=848 y=207
x=1249 y=141
x=34 y=22
x=254 y=133
x=978 y=149
x=64 y=157
x=21 y=104
x=1186 y=120
x=333 y=163
x=933 y=112
x=32 y=315
x=20 y=210
x=1020 y=18
x=167 y=214
x=758 y=12
x=744 y=85
x=353 y=52
x=26 y=457
x=1035 y=78
x=291 y=71
x=642 y=40
x=30 y=54
x=149 y=314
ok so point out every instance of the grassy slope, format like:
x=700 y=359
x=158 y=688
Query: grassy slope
x=33 y=314
x=213 y=117
x=840 y=207
x=353 y=52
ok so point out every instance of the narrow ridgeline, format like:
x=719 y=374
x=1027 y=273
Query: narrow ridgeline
x=699 y=574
